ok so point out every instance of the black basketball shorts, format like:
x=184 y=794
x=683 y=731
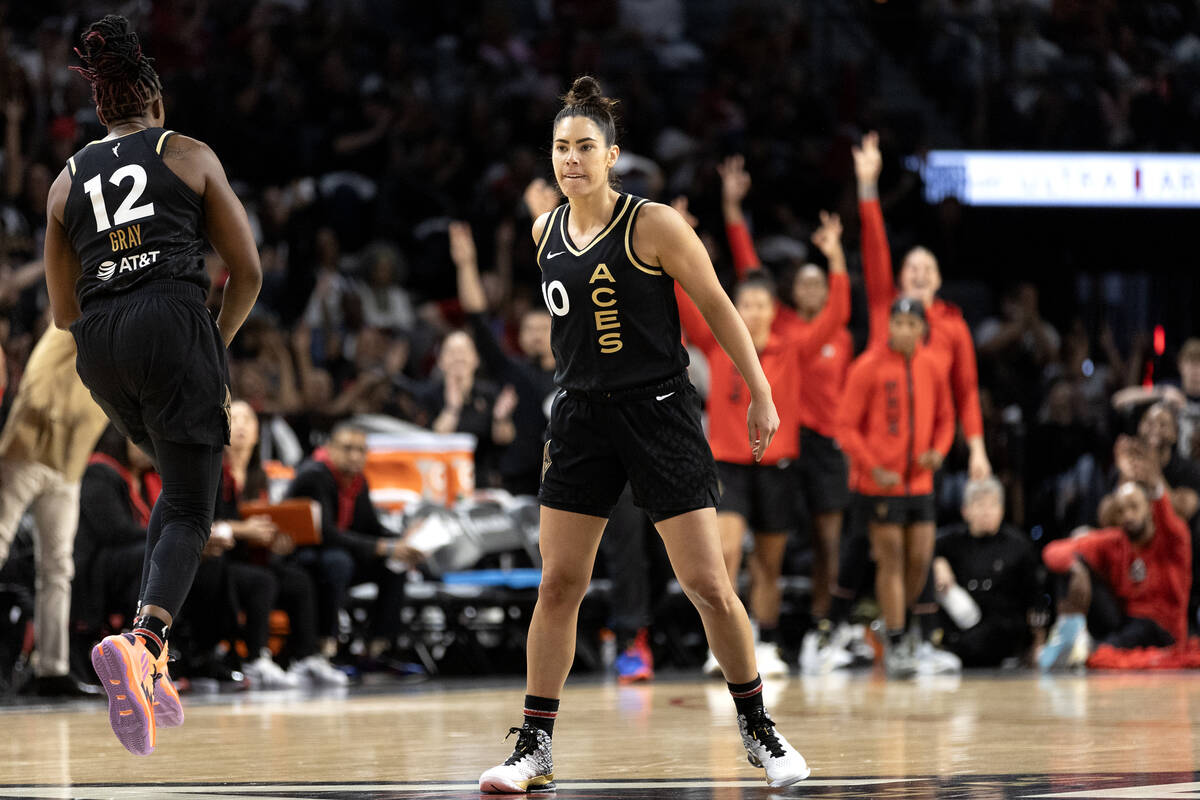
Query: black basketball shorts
x=824 y=473
x=765 y=495
x=650 y=437
x=903 y=510
x=155 y=363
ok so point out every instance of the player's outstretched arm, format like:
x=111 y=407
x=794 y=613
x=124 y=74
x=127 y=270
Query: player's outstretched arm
x=663 y=237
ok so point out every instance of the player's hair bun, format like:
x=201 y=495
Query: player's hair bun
x=585 y=93
x=112 y=51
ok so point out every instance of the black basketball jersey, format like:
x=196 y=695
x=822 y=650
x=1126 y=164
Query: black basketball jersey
x=615 y=321
x=130 y=218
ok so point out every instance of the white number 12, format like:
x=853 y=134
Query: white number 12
x=127 y=211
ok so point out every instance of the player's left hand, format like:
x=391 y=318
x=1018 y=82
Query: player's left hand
x=762 y=420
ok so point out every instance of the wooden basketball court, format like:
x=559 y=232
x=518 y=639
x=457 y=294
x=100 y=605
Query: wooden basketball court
x=981 y=737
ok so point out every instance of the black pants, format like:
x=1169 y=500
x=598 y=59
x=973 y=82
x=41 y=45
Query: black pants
x=987 y=644
x=209 y=614
x=297 y=597
x=334 y=570
x=856 y=570
x=255 y=589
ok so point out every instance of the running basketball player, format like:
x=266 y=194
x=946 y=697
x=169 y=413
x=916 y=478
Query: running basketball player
x=127 y=219
x=625 y=411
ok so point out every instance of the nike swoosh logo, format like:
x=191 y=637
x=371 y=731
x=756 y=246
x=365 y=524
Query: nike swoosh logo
x=663 y=396
x=554 y=255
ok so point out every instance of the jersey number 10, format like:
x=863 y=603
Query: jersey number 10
x=127 y=211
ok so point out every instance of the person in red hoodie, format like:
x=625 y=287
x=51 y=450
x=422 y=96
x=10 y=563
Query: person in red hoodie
x=896 y=423
x=823 y=475
x=1126 y=585
x=762 y=496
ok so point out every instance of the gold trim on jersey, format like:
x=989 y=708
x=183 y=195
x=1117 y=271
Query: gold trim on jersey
x=633 y=259
x=161 y=139
x=545 y=237
x=71 y=164
x=562 y=228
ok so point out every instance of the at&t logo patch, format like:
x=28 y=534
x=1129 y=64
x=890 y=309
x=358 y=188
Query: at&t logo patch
x=126 y=264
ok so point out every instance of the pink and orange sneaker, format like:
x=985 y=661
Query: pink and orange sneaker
x=126 y=672
x=168 y=711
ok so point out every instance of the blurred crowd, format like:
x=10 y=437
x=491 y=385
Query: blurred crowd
x=393 y=158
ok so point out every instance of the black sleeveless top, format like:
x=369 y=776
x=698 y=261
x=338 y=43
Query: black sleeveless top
x=615 y=321
x=131 y=219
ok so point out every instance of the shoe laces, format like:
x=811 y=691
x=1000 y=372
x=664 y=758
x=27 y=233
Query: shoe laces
x=527 y=743
x=761 y=728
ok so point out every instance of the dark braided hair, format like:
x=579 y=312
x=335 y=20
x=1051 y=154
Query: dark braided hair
x=123 y=82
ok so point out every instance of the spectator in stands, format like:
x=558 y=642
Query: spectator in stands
x=1159 y=431
x=44 y=448
x=456 y=400
x=531 y=374
x=1126 y=586
x=355 y=547
x=385 y=303
x=1185 y=397
x=995 y=565
x=261 y=547
x=1016 y=348
x=1063 y=473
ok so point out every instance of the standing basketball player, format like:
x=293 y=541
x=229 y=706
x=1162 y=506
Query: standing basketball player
x=127 y=218
x=626 y=412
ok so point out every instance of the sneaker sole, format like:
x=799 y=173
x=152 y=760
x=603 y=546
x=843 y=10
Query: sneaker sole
x=129 y=713
x=791 y=779
x=497 y=786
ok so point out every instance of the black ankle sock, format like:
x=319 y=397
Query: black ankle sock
x=153 y=633
x=747 y=696
x=895 y=638
x=768 y=635
x=540 y=712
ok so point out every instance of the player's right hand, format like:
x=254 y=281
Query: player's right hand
x=868 y=161
x=762 y=420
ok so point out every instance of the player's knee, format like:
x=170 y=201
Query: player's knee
x=711 y=592
x=561 y=590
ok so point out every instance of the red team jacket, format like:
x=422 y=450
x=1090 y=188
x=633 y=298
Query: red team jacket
x=1152 y=581
x=782 y=358
x=823 y=365
x=894 y=409
x=949 y=341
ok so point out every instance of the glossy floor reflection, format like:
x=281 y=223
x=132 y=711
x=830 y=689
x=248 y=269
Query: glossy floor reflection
x=1106 y=736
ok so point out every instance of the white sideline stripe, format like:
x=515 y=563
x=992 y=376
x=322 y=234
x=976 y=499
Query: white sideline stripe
x=1163 y=791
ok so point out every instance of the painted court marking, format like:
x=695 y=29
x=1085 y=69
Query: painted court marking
x=948 y=786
